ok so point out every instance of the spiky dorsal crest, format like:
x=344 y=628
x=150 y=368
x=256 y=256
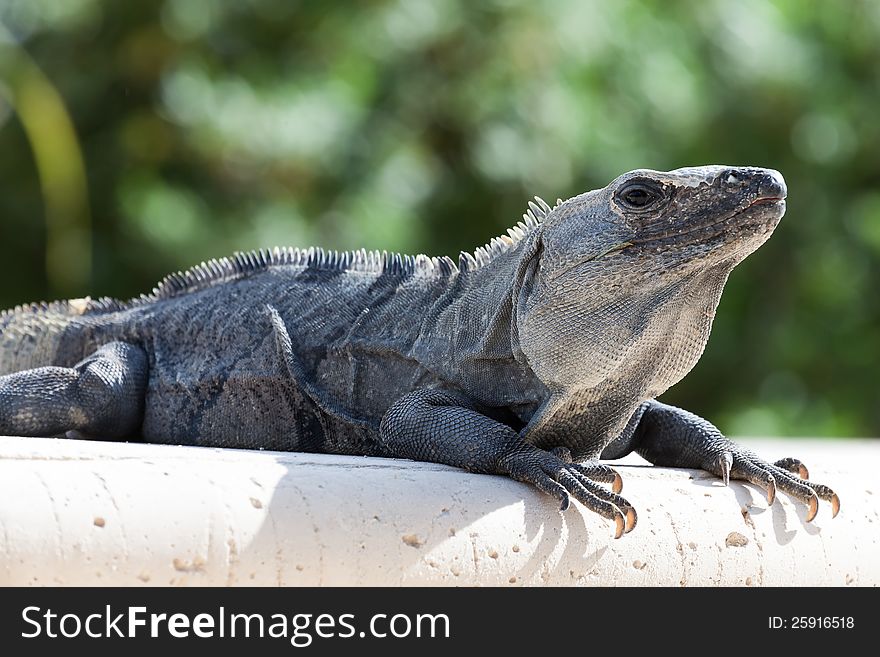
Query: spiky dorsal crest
x=68 y=307
x=249 y=262
x=532 y=218
x=362 y=261
x=241 y=264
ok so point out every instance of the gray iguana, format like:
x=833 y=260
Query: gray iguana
x=533 y=357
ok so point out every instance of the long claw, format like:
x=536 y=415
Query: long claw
x=619 y=524
x=771 y=490
x=617 y=486
x=631 y=520
x=835 y=505
x=725 y=462
x=794 y=466
x=814 y=508
x=564 y=502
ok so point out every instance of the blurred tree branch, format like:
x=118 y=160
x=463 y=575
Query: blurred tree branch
x=60 y=167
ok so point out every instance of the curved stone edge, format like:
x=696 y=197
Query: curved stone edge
x=95 y=513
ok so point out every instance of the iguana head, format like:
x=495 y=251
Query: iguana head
x=683 y=219
x=630 y=275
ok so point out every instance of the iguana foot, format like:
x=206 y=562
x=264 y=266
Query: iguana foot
x=666 y=435
x=593 y=469
x=102 y=395
x=788 y=475
x=432 y=424
x=555 y=474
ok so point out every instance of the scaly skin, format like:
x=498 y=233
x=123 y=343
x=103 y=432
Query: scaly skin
x=534 y=357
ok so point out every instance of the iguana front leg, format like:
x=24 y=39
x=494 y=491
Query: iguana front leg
x=102 y=395
x=447 y=427
x=669 y=436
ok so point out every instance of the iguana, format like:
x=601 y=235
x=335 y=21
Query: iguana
x=533 y=357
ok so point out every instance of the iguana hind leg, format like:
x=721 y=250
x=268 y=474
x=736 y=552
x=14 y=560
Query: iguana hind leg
x=101 y=396
x=447 y=427
x=670 y=436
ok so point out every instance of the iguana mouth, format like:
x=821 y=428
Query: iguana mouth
x=771 y=210
x=694 y=234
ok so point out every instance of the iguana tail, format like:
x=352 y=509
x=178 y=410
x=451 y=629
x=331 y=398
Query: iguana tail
x=39 y=334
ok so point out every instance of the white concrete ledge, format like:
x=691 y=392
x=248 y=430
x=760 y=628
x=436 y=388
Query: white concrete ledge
x=94 y=513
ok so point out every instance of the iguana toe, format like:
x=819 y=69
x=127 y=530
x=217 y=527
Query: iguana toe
x=597 y=499
x=597 y=492
x=805 y=491
x=595 y=471
x=824 y=493
x=744 y=468
x=794 y=466
x=783 y=475
x=550 y=473
x=592 y=470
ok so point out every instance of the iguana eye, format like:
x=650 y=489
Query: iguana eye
x=638 y=196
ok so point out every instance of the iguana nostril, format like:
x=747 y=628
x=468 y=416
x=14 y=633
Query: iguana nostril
x=733 y=179
x=771 y=184
x=767 y=183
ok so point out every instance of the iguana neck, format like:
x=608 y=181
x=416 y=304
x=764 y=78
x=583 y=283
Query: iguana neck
x=470 y=333
x=617 y=365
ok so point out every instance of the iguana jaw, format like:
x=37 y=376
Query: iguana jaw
x=760 y=216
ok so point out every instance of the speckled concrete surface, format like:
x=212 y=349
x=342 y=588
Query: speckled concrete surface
x=83 y=513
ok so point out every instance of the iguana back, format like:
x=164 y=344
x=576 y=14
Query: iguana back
x=362 y=332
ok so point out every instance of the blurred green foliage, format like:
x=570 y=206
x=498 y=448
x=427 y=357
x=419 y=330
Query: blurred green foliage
x=208 y=126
